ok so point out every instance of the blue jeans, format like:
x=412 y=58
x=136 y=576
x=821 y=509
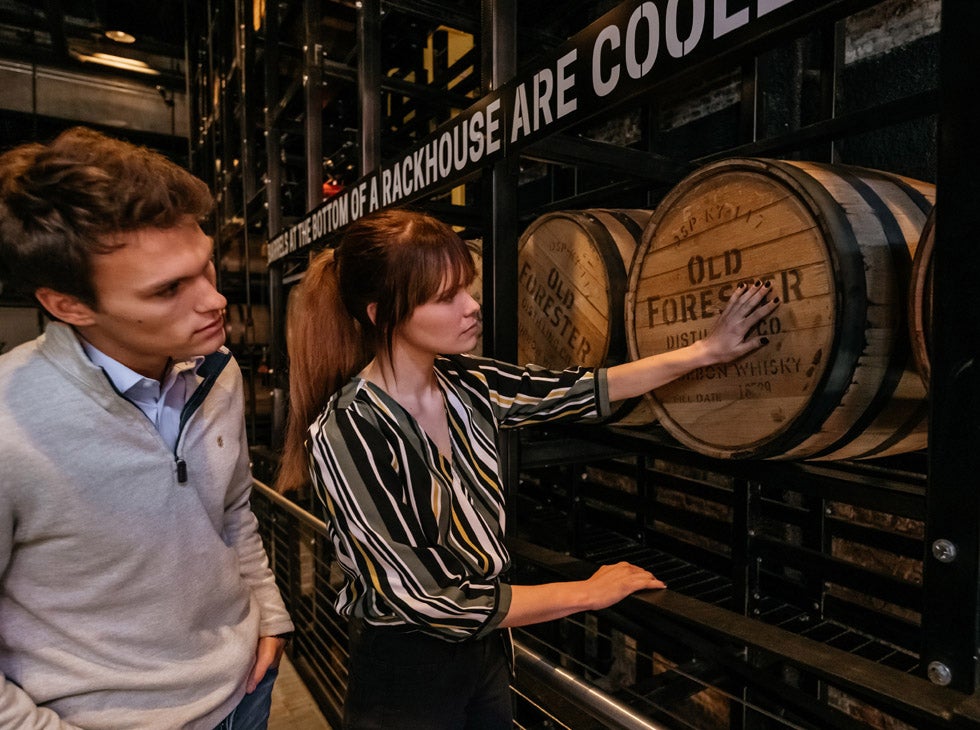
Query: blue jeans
x=252 y=712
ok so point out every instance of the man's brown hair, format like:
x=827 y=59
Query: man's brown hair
x=63 y=202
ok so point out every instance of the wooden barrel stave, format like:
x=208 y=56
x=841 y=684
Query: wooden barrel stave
x=876 y=207
x=920 y=300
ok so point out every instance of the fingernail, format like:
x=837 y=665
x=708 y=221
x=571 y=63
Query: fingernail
x=775 y=300
x=764 y=340
x=758 y=282
x=742 y=285
x=768 y=284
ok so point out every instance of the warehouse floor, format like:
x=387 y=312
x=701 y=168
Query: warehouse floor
x=293 y=707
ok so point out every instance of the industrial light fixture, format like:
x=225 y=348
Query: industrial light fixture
x=120 y=36
x=126 y=64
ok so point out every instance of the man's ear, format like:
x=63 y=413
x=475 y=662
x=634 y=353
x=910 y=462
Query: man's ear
x=372 y=312
x=65 y=307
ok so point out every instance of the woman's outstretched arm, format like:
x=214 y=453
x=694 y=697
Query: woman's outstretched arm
x=728 y=341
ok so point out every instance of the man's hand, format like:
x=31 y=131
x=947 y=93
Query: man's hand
x=267 y=655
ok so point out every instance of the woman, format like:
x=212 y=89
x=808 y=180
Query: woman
x=400 y=444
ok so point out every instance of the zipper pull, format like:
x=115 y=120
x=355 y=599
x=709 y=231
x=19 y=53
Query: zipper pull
x=181 y=471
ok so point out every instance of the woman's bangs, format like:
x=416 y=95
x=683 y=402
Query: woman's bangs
x=446 y=266
x=459 y=270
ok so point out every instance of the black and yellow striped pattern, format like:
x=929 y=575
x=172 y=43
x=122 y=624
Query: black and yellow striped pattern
x=418 y=536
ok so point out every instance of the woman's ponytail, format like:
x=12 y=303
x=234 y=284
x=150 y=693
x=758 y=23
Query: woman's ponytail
x=325 y=349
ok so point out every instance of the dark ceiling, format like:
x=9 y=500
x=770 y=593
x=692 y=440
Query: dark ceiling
x=69 y=34
x=70 y=37
x=58 y=68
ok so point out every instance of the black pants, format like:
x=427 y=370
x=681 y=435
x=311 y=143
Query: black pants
x=403 y=679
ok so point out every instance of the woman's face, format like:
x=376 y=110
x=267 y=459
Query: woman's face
x=156 y=299
x=447 y=324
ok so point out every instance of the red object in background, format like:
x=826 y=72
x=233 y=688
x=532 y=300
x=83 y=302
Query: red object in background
x=330 y=189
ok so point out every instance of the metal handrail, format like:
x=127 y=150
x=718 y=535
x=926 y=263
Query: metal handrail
x=598 y=704
x=289 y=506
x=586 y=697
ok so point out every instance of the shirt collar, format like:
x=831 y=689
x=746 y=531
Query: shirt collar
x=124 y=378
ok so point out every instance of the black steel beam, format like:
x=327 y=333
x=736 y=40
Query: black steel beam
x=429 y=94
x=952 y=561
x=565 y=149
x=437 y=13
x=914 y=106
x=499 y=64
x=425 y=92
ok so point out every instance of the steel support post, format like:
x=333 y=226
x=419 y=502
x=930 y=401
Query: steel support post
x=499 y=63
x=498 y=44
x=313 y=97
x=950 y=574
x=369 y=84
x=273 y=201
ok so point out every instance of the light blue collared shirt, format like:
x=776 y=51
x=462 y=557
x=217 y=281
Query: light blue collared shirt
x=161 y=402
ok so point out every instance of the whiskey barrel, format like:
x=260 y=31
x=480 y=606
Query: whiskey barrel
x=573 y=269
x=920 y=300
x=836 y=380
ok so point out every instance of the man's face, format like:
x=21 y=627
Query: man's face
x=156 y=299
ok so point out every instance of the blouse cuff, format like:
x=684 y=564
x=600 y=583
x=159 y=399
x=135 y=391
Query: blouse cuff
x=500 y=610
x=602 y=393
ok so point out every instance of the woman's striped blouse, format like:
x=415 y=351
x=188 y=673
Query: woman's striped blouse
x=420 y=537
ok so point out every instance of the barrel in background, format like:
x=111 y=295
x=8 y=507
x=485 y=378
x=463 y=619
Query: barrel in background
x=573 y=269
x=836 y=380
x=920 y=300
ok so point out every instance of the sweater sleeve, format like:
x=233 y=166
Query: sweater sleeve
x=385 y=530
x=17 y=709
x=240 y=530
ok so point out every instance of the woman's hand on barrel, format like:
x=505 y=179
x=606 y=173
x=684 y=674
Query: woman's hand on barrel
x=728 y=340
x=748 y=305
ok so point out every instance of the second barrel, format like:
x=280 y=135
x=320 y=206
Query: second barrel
x=573 y=268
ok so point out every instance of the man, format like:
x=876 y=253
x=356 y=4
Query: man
x=134 y=588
